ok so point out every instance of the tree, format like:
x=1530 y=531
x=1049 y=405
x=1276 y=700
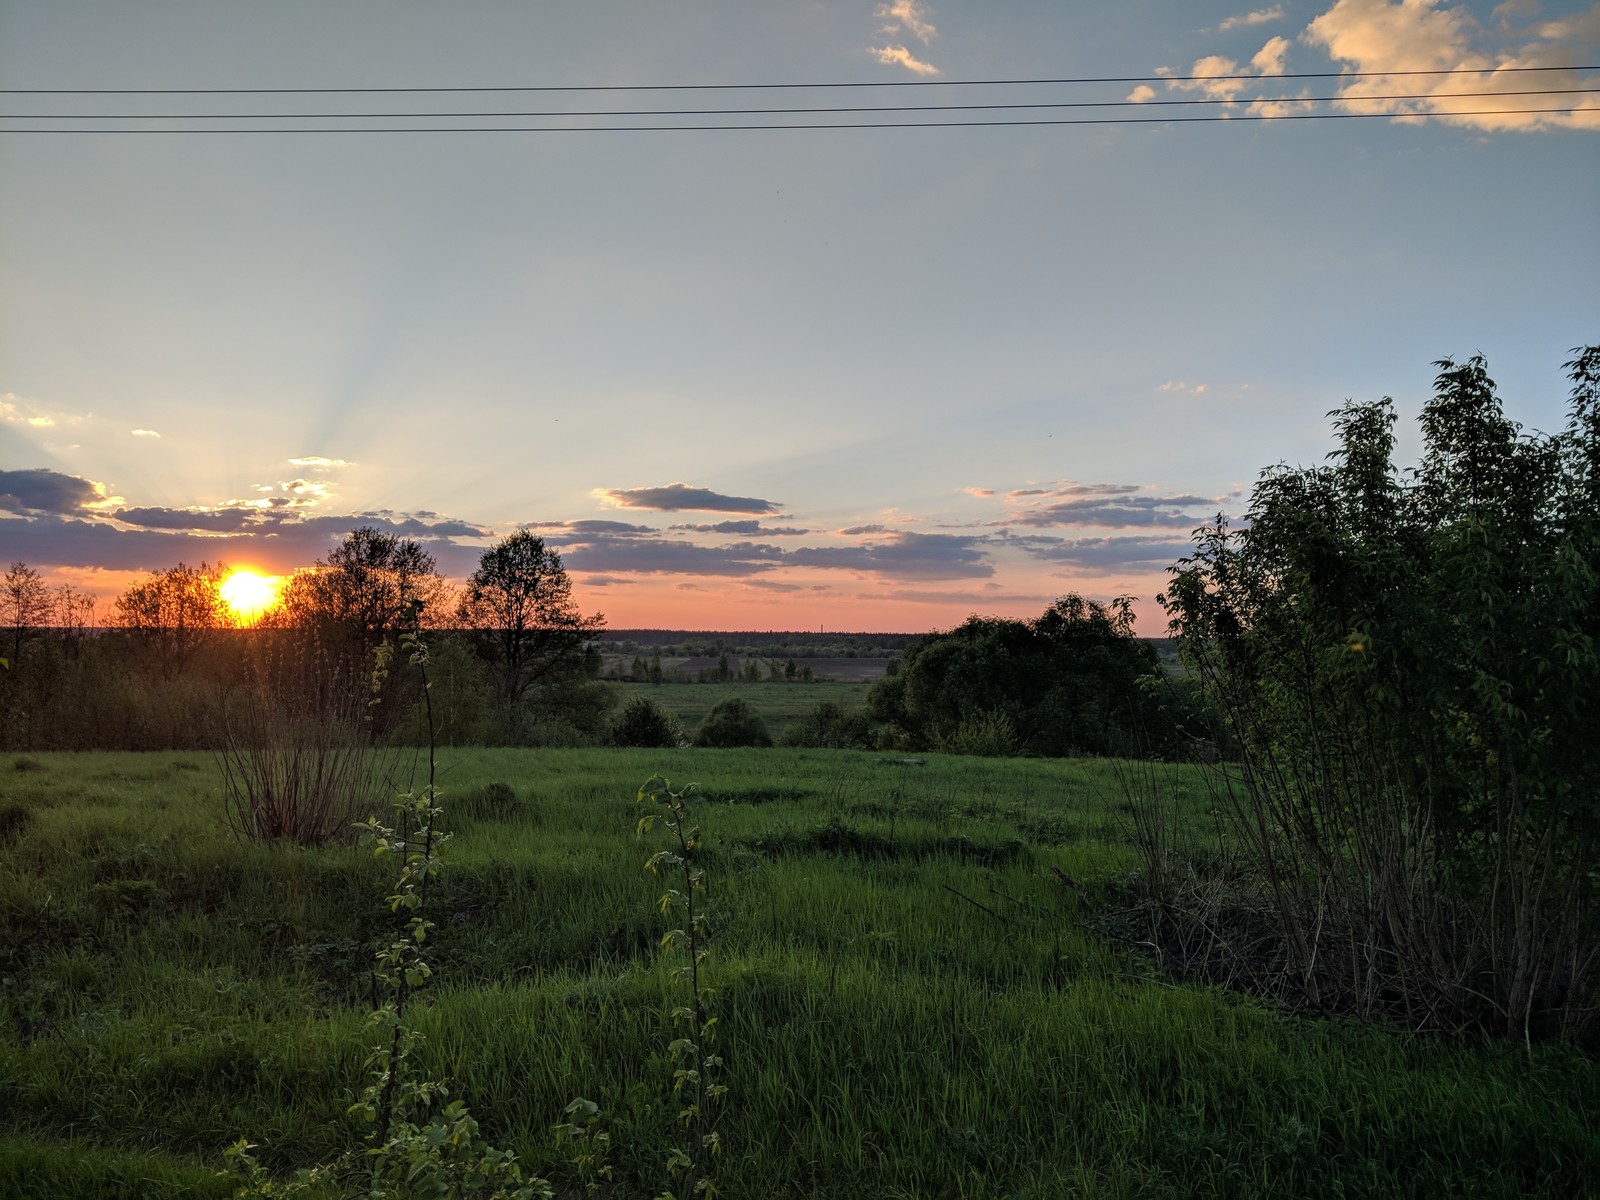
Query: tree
x=73 y=613
x=518 y=606
x=24 y=604
x=174 y=613
x=360 y=592
x=732 y=722
x=1407 y=662
x=1066 y=683
x=645 y=723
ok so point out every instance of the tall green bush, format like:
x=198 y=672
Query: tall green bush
x=1407 y=662
x=1068 y=682
x=644 y=723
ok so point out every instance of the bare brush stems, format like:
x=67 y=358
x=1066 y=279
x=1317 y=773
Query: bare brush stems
x=297 y=760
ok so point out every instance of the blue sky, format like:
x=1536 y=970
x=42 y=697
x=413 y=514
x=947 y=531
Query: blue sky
x=897 y=375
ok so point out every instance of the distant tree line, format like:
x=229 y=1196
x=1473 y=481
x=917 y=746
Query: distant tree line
x=515 y=662
x=678 y=643
x=169 y=666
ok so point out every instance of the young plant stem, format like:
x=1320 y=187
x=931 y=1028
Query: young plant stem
x=693 y=1052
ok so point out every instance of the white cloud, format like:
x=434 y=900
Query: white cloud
x=1214 y=88
x=910 y=15
x=978 y=491
x=15 y=410
x=1142 y=94
x=318 y=463
x=1373 y=36
x=1269 y=59
x=899 y=56
x=1377 y=41
x=1260 y=17
x=146 y=433
x=1178 y=385
x=1282 y=106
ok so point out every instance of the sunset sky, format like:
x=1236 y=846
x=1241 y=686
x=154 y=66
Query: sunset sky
x=864 y=379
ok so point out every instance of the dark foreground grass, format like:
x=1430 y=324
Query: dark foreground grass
x=909 y=1003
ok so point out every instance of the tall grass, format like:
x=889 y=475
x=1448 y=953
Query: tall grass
x=884 y=1035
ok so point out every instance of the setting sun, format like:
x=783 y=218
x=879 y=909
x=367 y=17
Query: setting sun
x=249 y=594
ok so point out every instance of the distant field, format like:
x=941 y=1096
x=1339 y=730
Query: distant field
x=912 y=1002
x=844 y=670
x=778 y=703
x=839 y=670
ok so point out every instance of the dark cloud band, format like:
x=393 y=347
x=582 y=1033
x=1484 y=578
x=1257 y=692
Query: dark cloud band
x=676 y=497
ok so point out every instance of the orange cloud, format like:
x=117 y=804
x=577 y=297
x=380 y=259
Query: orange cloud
x=899 y=56
x=1427 y=35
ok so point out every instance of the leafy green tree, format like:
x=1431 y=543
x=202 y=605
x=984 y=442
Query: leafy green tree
x=1068 y=682
x=518 y=606
x=1407 y=663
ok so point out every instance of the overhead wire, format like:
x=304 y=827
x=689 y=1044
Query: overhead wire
x=1160 y=120
x=688 y=87
x=1262 y=108
x=806 y=111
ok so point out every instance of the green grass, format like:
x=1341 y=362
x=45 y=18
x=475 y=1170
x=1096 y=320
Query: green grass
x=777 y=703
x=169 y=991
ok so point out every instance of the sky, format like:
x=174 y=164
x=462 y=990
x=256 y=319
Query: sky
x=844 y=379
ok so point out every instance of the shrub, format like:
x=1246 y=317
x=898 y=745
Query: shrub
x=492 y=802
x=829 y=727
x=732 y=723
x=297 y=759
x=1407 y=664
x=1070 y=682
x=991 y=734
x=646 y=724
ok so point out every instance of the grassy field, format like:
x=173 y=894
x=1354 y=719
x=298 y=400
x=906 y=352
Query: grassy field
x=910 y=1001
x=778 y=703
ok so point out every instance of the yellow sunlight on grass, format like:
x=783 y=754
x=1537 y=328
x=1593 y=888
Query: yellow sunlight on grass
x=249 y=594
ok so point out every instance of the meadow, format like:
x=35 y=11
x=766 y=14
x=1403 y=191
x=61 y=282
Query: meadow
x=927 y=971
x=776 y=703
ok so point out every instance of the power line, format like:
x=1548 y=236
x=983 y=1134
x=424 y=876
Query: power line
x=696 y=87
x=1161 y=120
x=726 y=112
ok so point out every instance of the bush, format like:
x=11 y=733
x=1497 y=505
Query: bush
x=732 y=723
x=991 y=734
x=492 y=802
x=645 y=723
x=1407 y=664
x=829 y=727
x=298 y=761
x=1069 y=682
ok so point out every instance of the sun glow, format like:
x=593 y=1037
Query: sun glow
x=249 y=594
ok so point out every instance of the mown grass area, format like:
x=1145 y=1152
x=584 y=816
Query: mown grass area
x=777 y=703
x=910 y=1003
